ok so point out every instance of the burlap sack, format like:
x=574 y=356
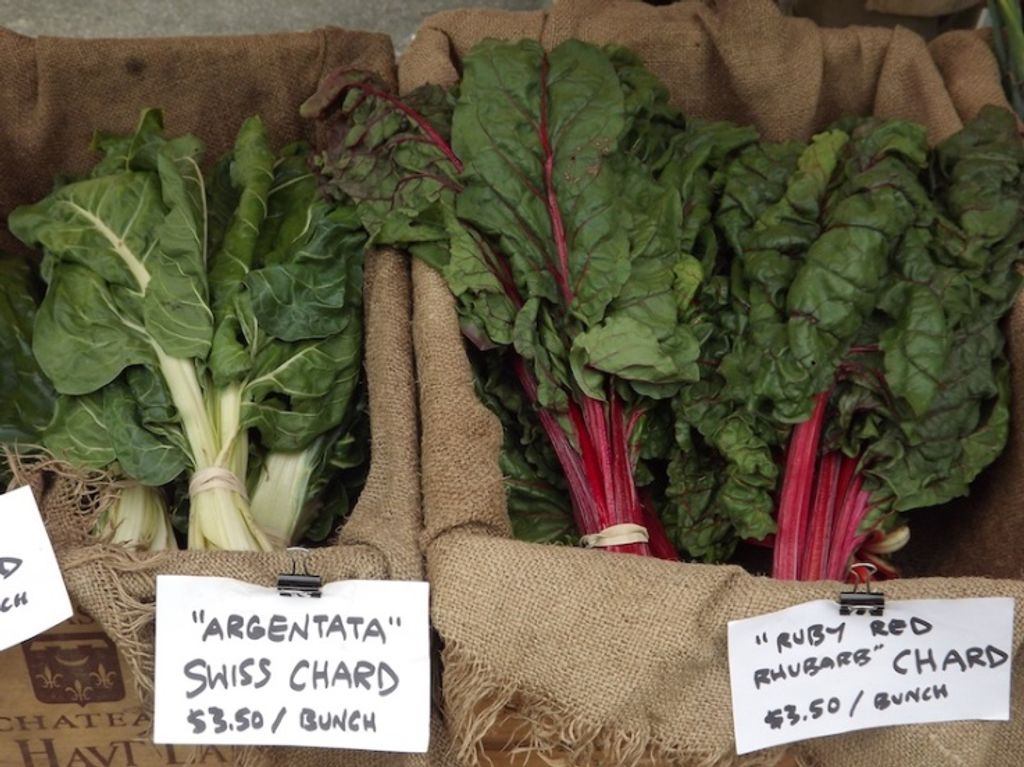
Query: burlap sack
x=608 y=657
x=744 y=61
x=53 y=94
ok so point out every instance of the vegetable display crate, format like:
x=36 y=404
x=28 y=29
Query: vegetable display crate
x=56 y=93
x=608 y=658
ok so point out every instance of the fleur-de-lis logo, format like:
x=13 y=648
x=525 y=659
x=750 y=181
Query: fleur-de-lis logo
x=49 y=680
x=103 y=677
x=78 y=668
x=78 y=693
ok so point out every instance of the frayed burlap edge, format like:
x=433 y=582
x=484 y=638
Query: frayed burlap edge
x=34 y=466
x=94 y=491
x=83 y=556
x=476 y=700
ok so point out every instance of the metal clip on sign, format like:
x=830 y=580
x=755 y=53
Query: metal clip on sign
x=294 y=584
x=866 y=602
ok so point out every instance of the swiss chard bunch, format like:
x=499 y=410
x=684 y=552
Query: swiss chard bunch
x=859 y=328
x=535 y=188
x=720 y=467
x=201 y=333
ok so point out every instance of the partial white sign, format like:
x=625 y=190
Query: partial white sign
x=33 y=597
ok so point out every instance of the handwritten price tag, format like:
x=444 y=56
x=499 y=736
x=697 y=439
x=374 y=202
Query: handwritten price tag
x=807 y=672
x=33 y=597
x=242 y=664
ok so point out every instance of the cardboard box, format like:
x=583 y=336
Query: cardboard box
x=65 y=701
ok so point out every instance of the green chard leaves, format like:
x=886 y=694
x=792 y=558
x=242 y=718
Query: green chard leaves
x=28 y=400
x=200 y=328
x=623 y=270
x=534 y=189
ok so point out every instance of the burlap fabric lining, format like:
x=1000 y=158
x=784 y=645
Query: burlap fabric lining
x=53 y=94
x=609 y=658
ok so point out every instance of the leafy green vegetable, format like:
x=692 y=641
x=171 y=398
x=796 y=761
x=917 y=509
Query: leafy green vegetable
x=1008 y=40
x=734 y=327
x=877 y=299
x=546 y=216
x=538 y=499
x=849 y=280
x=138 y=515
x=28 y=400
x=194 y=327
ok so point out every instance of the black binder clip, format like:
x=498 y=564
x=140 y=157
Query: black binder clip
x=866 y=602
x=294 y=584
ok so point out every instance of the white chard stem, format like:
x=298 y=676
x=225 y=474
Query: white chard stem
x=219 y=518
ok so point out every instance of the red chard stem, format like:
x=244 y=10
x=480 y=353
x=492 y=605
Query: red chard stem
x=588 y=517
x=820 y=525
x=855 y=506
x=797 y=490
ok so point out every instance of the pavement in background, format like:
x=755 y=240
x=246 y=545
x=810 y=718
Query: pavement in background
x=153 y=18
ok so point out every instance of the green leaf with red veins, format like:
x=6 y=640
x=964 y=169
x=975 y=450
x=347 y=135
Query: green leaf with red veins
x=379 y=155
x=930 y=459
x=815 y=268
x=534 y=130
x=537 y=339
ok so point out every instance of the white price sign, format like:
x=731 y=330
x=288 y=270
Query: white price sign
x=33 y=597
x=807 y=671
x=244 y=664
